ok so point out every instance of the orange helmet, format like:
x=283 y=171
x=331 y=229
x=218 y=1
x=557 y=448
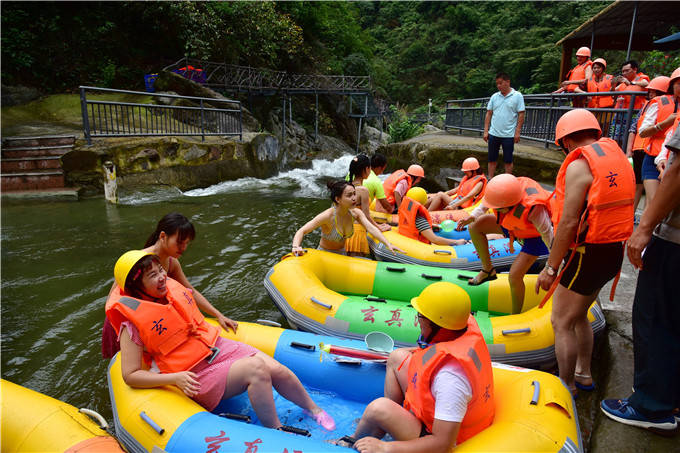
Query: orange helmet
x=661 y=83
x=583 y=52
x=574 y=121
x=502 y=191
x=601 y=61
x=675 y=75
x=470 y=164
x=416 y=170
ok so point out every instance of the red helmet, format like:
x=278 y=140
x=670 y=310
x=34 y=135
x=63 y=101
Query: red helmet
x=661 y=83
x=502 y=191
x=416 y=170
x=583 y=52
x=574 y=121
x=470 y=164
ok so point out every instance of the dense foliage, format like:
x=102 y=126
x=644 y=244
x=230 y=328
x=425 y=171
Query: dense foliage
x=412 y=50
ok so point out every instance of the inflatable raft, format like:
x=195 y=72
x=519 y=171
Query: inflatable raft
x=456 y=257
x=34 y=422
x=348 y=297
x=534 y=411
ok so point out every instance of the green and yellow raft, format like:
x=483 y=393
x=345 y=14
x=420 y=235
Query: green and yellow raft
x=347 y=297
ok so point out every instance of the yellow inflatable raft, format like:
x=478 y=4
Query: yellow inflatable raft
x=348 y=297
x=534 y=411
x=34 y=422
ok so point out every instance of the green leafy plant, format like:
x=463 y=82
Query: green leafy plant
x=401 y=128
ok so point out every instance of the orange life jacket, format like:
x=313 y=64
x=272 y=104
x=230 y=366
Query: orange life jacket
x=391 y=183
x=609 y=205
x=516 y=219
x=640 y=143
x=639 y=100
x=667 y=105
x=605 y=84
x=471 y=352
x=175 y=334
x=466 y=185
x=408 y=210
x=578 y=72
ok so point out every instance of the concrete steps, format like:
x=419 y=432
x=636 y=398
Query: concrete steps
x=34 y=163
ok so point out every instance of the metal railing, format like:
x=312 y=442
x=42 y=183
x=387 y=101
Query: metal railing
x=542 y=113
x=192 y=116
x=244 y=78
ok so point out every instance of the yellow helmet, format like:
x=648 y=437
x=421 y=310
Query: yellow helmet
x=445 y=304
x=418 y=194
x=126 y=261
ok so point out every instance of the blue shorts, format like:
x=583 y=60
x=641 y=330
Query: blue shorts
x=649 y=170
x=495 y=143
x=531 y=246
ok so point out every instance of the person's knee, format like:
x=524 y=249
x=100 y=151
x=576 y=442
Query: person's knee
x=258 y=371
x=378 y=410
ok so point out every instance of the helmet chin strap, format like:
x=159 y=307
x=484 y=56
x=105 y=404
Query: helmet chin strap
x=425 y=342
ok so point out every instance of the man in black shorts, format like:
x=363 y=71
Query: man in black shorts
x=593 y=216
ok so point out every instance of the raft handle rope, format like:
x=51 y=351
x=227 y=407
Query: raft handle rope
x=95 y=415
x=537 y=391
x=317 y=301
x=431 y=277
x=375 y=299
x=309 y=347
x=513 y=331
x=267 y=322
x=151 y=423
x=396 y=269
x=294 y=430
x=441 y=252
x=239 y=417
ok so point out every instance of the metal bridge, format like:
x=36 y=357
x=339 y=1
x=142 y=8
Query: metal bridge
x=267 y=82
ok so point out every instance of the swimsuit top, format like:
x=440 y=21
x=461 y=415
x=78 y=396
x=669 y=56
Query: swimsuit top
x=336 y=235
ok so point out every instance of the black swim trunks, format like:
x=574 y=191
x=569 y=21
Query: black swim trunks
x=592 y=266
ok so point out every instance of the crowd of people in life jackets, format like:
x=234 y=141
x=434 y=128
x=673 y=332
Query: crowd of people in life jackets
x=582 y=226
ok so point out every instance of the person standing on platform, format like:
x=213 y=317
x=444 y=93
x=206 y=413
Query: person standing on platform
x=599 y=82
x=503 y=122
x=654 y=248
x=593 y=217
x=578 y=76
x=631 y=80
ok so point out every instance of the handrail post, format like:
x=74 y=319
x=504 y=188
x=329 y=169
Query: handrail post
x=202 y=122
x=86 y=121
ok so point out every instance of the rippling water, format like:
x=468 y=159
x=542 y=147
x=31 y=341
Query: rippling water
x=57 y=267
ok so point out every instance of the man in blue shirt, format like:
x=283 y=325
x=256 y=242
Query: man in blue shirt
x=505 y=115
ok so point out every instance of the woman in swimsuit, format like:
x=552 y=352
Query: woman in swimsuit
x=337 y=222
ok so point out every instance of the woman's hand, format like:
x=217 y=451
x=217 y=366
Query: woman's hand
x=186 y=381
x=227 y=323
x=462 y=223
x=395 y=249
x=297 y=250
x=384 y=227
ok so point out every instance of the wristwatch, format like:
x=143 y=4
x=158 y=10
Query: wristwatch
x=550 y=270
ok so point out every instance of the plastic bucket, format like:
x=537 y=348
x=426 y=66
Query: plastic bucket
x=379 y=342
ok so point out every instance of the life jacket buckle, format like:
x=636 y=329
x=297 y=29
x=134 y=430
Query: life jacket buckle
x=215 y=352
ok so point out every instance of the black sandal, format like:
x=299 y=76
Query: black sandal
x=490 y=275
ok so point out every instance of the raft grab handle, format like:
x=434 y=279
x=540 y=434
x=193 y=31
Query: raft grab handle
x=294 y=430
x=239 y=417
x=309 y=347
x=431 y=277
x=375 y=299
x=267 y=322
x=151 y=423
x=396 y=269
x=317 y=301
x=512 y=331
x=537 y=391
x=95 y=415
x=441 y=252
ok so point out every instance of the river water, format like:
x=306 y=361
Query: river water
x=58 y=257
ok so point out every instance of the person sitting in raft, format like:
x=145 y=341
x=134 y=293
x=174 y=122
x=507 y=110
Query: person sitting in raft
x=415 y=221
x=337 y=222
x=439 y=394
x=374 y=184
x=161 y=327
x=522 y=209
x=397 y=184
x=467 y=193
x=169 y=241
